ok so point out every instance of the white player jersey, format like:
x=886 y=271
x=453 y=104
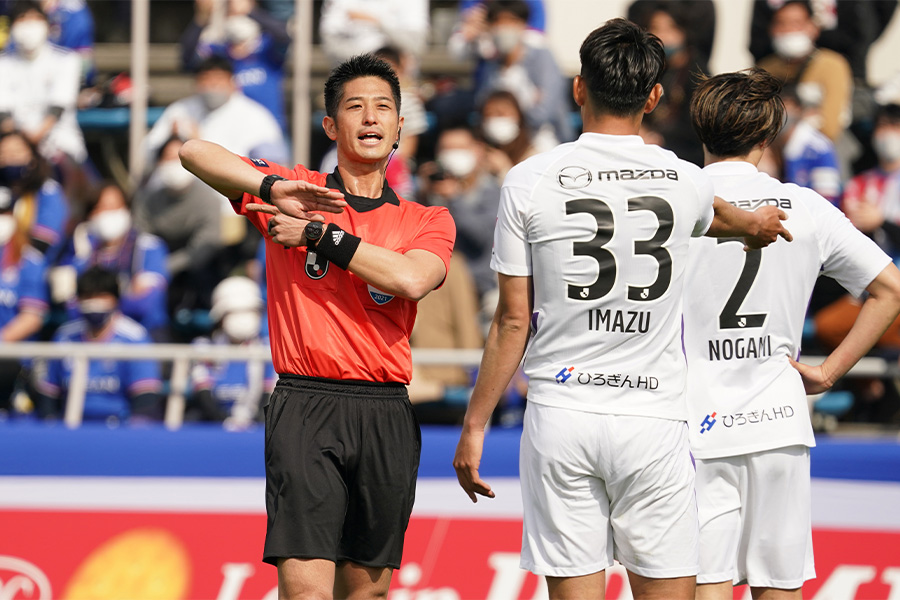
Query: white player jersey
x=602 y=225
x=744 y=313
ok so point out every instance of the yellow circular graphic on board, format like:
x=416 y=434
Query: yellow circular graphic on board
x=140 y=564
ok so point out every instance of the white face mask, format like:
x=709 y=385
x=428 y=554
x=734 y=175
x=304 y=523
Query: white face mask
x=458 y=162
x=7 y=228
x=240 y=28
x=175 y=177
x=792 y=45
x=214 y=99
x=506 y=38
x=500 y=130
x=242 y=326
x=111 y=225
x=887 y=146
x=29 y=35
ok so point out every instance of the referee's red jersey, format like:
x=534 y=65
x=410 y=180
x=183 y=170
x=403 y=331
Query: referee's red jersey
x=325 y=321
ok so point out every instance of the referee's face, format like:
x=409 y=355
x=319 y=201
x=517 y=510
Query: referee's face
x=367 y=122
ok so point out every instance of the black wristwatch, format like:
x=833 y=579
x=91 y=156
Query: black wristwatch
x=265 y=188
x=313 y=232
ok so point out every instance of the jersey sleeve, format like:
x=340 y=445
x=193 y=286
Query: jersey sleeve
x=259 y=220
x=847 y=255
x=437 y=236
x=33 y=293
x=141 y=376
x=52 y=213
x=705 y=196
x=511 y=254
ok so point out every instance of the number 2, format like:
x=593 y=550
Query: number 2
x=729 y=317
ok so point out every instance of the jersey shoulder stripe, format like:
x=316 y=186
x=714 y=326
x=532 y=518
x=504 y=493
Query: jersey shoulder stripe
x=130 y=329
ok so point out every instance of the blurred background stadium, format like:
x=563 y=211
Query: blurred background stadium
x=132 y=455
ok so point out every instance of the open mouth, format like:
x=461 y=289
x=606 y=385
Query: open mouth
x=370 y=138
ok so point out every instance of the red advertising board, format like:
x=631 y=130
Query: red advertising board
x=172 y=556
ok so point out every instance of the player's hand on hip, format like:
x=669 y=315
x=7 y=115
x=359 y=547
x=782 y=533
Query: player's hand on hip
x=466 y=462
x=300 y=198
x=770 y=228
x=815 y=379
x=284 y=229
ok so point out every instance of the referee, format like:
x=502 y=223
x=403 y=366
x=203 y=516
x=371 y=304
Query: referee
x=346 y=261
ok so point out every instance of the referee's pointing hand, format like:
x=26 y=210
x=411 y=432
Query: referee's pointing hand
x=300 y=198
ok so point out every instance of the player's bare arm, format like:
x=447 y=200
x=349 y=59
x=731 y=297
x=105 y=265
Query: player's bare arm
x=226 y=173
x=503 y=352
x=877 y=313
x=758 y=228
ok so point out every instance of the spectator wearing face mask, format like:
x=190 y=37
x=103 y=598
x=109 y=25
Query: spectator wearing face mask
x=256 y=44
x=525 y=67
x=459 y=179
x=41 y=202
x=117 y=391
x=507 y=134
x=39 y=85
x=108 y=239
x=872 y=198
x=802 y=154
x=185 y=214
x=23 y=292
x=797 y=60
x=232 y=391
x=219 y=112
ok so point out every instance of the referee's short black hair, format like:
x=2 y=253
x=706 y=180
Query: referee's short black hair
x=361 y=65
x=732 y=113
x=620 y=64
x=98 y=280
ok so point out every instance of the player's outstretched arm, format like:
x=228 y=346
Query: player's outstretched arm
x=503 y=352
x=877 y=313
x=758 y=228
x=226 y=173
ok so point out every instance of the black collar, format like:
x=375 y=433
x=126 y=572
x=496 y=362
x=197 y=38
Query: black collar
x=361 y=203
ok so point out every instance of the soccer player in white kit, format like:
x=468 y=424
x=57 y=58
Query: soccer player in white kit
x=743 y=318
x=590 y=245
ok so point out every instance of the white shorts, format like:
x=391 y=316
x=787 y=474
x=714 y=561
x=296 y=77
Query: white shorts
x=597 y=487
x=755 y=519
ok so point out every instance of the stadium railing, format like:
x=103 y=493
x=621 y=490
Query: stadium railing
x=182 y=355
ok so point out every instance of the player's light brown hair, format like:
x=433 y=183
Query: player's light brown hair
x=733 y=112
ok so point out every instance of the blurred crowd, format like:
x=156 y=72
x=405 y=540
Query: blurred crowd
x=87 y=257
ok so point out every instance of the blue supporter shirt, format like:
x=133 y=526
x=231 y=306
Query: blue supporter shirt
x=810 y=160
x=23 y=284
x=141 y=255
x=229 y=382
x=260 y=75
x=52 y=214
x=111 y=383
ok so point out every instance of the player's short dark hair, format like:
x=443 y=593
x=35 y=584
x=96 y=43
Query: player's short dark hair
x=361 y=65
x=215 y=62
x=24 y=6
x=733 y=112
x=889 y=114
x=620 y=64
x=517 y=8
x=98 y=280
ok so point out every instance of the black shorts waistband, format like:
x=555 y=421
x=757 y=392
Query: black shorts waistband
x=389 y=389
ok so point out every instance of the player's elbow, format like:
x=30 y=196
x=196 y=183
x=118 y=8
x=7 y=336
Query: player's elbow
x=190 y=153
x=416 y=286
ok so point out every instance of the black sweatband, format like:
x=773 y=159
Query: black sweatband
x=337 y=246
x=265 y=188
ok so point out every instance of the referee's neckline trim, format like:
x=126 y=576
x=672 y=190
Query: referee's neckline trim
x=361 y=203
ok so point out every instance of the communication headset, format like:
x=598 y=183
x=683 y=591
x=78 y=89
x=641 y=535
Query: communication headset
x=397 y=143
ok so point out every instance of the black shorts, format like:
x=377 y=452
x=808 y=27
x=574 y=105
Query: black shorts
x=341 y=466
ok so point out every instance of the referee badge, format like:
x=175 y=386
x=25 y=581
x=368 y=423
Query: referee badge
x=378 y=296
x=316 y=266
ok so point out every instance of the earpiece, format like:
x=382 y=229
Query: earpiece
x=397 y=143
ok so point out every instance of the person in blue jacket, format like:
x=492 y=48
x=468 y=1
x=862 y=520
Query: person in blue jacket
x=23 y=294
x=109 y=239
x=117 y=390
x=255 y=42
